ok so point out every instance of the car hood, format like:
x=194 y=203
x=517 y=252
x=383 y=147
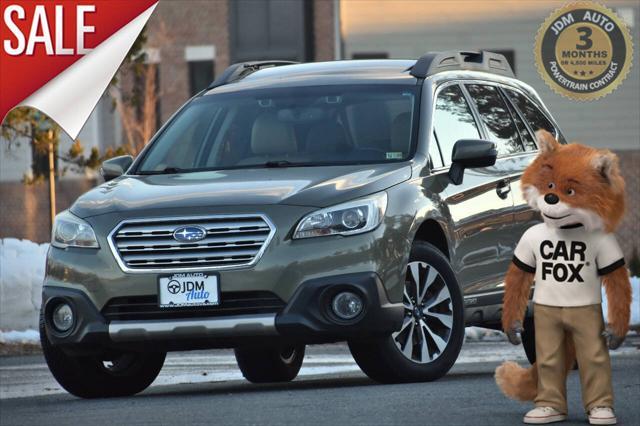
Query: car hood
x=302 y=186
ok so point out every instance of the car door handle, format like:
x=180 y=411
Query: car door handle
x=503 y=189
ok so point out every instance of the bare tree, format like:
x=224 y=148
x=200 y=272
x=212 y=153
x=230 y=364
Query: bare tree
x=136 y=95
x=138 y=118
x=30 y=125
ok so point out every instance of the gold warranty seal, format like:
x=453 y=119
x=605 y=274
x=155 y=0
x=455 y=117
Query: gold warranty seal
x=583 y=51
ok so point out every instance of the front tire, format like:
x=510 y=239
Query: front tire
x=122 y=374
x=280 y=363
x=430 y=339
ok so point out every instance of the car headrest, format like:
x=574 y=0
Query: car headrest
x=270 y=136
x=326 y=137
x=401 y=132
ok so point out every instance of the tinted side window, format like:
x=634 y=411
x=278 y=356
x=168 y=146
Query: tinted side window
x=536 y=119
x=525 y=135
x=495 y=115
x=453 y=120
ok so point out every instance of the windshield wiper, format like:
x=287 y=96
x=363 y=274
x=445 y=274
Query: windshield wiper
x=278 y=163
x=165 y=171
x=286 y=163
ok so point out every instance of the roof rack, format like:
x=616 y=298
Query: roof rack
x=435 y=62
x=240 y=70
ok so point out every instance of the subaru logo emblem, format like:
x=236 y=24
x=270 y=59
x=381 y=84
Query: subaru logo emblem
x=189 y=234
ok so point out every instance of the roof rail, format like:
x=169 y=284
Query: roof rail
x=435 y=62
x=240 y=70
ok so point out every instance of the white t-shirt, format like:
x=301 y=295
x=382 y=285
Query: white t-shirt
x=567 y=263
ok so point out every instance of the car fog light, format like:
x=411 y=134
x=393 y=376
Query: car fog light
x=347 y=305
x=62 y=317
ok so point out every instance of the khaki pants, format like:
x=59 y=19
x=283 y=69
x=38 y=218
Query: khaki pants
x=585 y=325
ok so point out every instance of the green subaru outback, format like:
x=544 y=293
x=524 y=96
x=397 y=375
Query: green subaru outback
x=372 y=202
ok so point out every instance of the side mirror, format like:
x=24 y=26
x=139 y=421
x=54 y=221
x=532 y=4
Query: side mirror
x=116 y=166
x=470 y=153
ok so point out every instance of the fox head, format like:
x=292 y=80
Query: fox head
x=575 y=184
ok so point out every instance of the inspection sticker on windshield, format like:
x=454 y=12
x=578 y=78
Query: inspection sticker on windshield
x=394 y=155
x=197 y=289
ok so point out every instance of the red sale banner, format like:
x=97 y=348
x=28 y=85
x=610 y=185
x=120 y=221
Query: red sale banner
x=59 y=55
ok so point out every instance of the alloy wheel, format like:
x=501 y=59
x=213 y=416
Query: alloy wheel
x=288 y=353
x=118 y=364
x=428 y=320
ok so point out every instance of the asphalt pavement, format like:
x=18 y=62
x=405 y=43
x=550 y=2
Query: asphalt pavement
x=205 y=387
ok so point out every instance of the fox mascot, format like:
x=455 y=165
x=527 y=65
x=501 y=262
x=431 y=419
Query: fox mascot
x=580 y=193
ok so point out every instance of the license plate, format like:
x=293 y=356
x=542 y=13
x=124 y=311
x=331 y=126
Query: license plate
x=197 y=289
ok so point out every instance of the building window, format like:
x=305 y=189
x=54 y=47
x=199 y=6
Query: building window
x=370 y=55
x=200 y=76
x=201 y=67
x=271 y=29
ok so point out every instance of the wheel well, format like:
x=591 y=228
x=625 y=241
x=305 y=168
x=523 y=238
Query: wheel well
x=430 y=231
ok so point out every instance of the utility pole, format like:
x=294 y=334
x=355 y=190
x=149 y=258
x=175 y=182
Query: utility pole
x=52 y=178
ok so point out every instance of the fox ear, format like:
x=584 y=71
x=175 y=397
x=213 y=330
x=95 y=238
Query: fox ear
x=606 y=163
x=546 y=141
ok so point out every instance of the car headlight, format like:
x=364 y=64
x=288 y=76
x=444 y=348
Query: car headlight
x=354 y=217
x=71 y=231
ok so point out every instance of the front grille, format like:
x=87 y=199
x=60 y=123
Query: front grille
x=230 y=241
x=134 y=308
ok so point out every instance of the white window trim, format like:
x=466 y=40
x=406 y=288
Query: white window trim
x=200 y=53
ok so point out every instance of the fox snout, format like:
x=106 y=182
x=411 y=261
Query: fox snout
x=551 y=198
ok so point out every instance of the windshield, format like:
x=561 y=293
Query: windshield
x=283 y=127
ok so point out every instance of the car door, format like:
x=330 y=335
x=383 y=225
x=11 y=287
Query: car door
x=479 y=209
x=529 y=119
x=503 y=127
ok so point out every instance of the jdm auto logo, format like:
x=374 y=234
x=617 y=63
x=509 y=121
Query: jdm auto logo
x=583 y=51
x=189 y=234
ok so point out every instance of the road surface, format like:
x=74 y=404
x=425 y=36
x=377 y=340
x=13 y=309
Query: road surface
x=205 y=387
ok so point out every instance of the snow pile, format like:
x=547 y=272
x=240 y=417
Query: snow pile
x=474 y=334
x=20 y=337
x=22 y=264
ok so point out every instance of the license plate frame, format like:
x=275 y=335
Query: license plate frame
x=190 y=289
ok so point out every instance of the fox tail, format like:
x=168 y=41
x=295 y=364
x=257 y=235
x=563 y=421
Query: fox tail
x=517 y=382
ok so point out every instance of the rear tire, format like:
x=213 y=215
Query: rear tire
x=271 y=364
x=430 y=339
x=92 y=377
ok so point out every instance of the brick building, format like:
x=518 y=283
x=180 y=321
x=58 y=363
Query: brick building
x=194 y=41
x=191 y=42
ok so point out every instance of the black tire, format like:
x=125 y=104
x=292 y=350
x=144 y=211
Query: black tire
x=88 y=377
x=269 y=365
x=383 y=361
x=529 y=339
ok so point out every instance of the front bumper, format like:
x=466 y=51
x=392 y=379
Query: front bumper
x=284 y=266
x=306 y=319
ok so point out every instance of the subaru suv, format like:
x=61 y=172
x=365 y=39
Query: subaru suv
x=375 y=202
